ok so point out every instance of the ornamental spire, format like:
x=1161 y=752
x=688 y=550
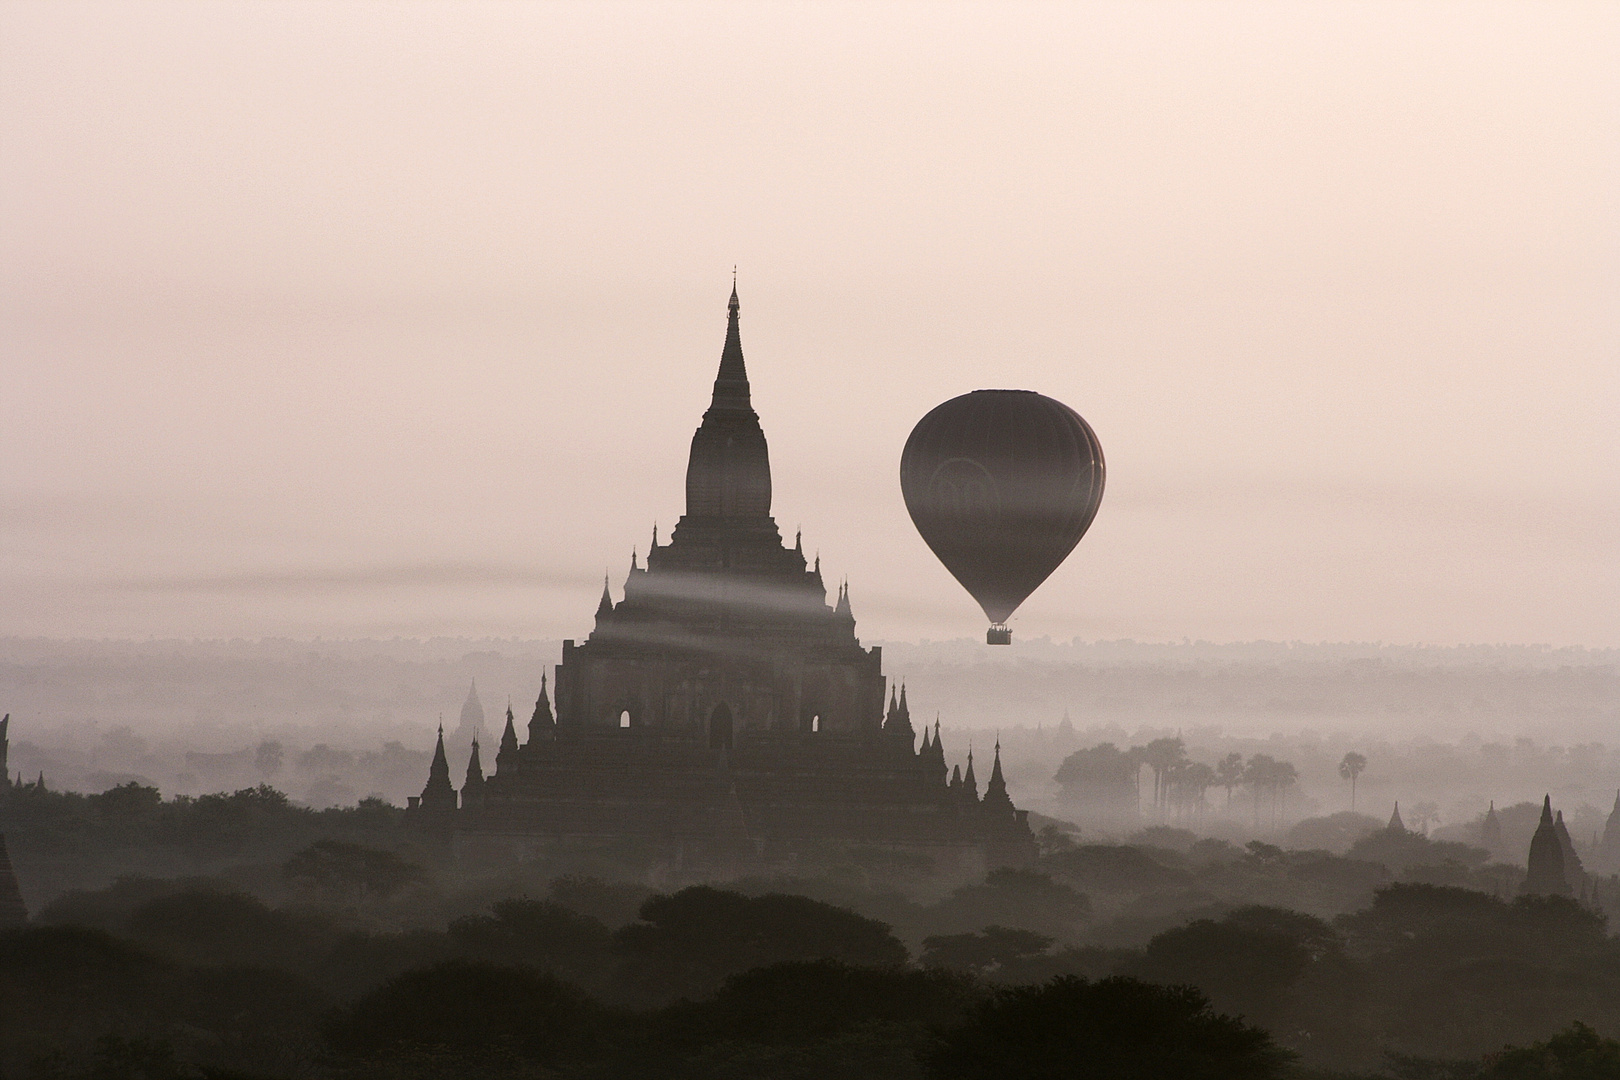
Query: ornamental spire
x=439 y=796
x=509 y=739
x=441 y=764
x=541 y=725
x=605 y=607
x=731 y=384
x=996 y=800
x=472 y=789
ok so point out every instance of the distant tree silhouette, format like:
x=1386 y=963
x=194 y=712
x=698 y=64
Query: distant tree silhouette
x=351 y=869
x=993 y=948
x=1423 y=815
x=211 y=926
x=1102 y=778
x=537 y=933
x=1162 y=756
x=476 y=1010
x=1229 y=774
x=816 y=1000
x=1247 y=963
x=613 y=902
x=1118 y=1027
x=269 y=757
x=1112 y=868
x=1576 y=1053
x=1351 y=767
x=1027 y=899
x=1264 y=775
x=688 y=943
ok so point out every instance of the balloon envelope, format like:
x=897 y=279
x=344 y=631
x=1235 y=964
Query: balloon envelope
x=1002 y=484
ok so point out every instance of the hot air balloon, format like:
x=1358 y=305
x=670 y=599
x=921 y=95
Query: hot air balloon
x=1002 y=484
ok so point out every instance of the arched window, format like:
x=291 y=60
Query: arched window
x=624 y=720
x=815 y=722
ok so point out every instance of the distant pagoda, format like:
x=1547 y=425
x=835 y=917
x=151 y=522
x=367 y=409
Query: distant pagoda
x=723 y=704
x=1490 y=831
x=1546 y=876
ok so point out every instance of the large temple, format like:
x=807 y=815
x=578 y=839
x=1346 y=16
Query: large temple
x=722 y=705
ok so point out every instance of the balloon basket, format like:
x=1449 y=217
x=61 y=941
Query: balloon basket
x=998 y=635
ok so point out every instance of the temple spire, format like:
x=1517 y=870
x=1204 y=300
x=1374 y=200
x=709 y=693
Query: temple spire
x=472 y=789
x=472 y=714
x=541 y=724
x=439 y=796
x=731 y=384
x=728 y=473
x=996 y=799
x=605 y=607
x=441 y=764
x=940 y=774
x=1546 y=863
x=509 y=740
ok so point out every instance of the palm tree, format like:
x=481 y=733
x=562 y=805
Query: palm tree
x=1283 y=777
x=1190 y=780
x=1422 y=814
x=1257 y=777
x=1161 y=756
x=1350 y=768
x=1229 y=774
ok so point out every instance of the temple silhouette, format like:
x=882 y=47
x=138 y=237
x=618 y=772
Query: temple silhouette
x=722 y=706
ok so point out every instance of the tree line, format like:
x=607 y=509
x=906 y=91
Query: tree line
x=1106 y=775
x=190 y=978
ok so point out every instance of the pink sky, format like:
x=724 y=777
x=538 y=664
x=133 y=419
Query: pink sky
x=374 y=319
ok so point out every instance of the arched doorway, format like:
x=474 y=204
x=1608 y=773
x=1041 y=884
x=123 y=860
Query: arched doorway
x=720 y=727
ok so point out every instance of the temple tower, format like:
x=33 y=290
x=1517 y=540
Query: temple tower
x=721 y=707
x=472 y=788
x=997 y=803
x=725 y=635
x=439 y=797
x=1546 y=876
x=472 y=716
x=1490 y=831
x=1574 y=872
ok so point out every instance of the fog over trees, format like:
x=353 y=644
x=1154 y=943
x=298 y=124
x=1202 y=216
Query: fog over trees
x=209 y=841
x=331 y=722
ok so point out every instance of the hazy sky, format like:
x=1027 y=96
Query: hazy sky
x=383 y=318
